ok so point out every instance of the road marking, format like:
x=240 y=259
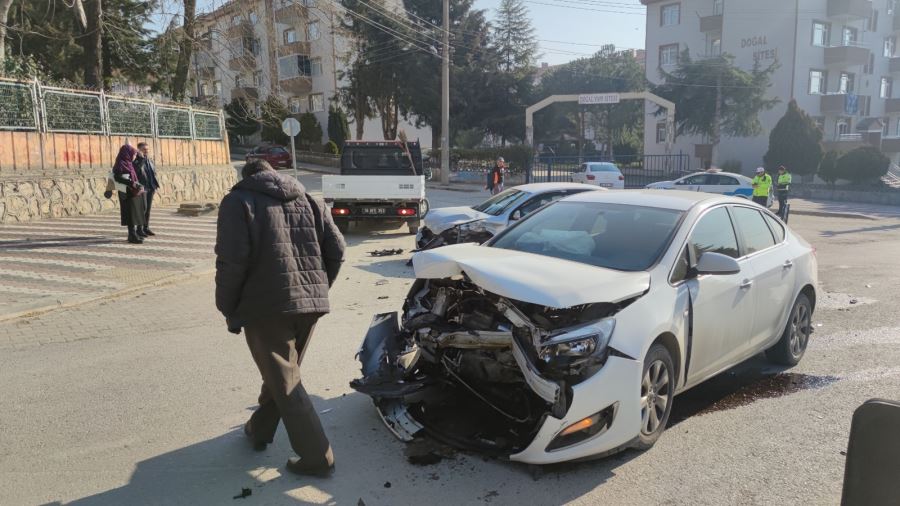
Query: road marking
x=63 y=263
x=53 y=278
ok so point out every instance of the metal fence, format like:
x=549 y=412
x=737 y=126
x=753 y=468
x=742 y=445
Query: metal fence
x=30 y=106
x=639 y=170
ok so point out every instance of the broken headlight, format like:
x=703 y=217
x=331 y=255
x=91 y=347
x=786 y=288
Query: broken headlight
x=578 y=346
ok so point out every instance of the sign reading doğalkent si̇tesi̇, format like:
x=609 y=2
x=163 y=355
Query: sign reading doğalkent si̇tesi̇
x=759 y=44
x=598 y=98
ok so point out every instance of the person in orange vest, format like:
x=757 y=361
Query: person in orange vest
x=495 y=180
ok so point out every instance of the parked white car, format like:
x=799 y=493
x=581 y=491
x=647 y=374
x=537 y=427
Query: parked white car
x=451 y=225
x=603 y=174
x=711 y=181
x=569 y=334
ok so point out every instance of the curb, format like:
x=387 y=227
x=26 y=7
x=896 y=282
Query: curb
x=829 y=214
x=168 y=280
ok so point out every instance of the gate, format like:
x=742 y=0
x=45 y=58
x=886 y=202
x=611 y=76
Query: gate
x=639 y=170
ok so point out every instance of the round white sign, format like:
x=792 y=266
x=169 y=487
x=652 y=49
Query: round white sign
x=290 y=127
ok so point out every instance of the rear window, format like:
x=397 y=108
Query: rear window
x=615 y=236
x=777 y=228
x=753 y=229
x=603 y=167
x=277 y=151
x=500 y=202
x=379 y=159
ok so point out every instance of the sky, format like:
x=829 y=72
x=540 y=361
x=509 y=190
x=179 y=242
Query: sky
x=567 y=29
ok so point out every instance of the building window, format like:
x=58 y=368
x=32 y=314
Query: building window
x=821 y=34
x=898 y=128
x=872 y=22
x=670 y=15
x=294 y=105
x=890 y=43
x=253 y=18
x=718 y=7
x=295 y=65
x=846 y=84
x=235 y=20
x=238 y=81
x=315 y=67
x=312 y=31
x=887 y=85
x=290 y=36
x=848 y=36
x=257 y=79
x=886 y=127
x=817 y=82
x=217 y=87
x=317 y=102
x=250 y=46
x=842 y=127
x=257 y=110
x=661 y=132
x=668 y=54
x=869 y=68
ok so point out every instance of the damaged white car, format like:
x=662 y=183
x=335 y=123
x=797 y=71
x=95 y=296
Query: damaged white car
x=568 y=335
x=455 y=225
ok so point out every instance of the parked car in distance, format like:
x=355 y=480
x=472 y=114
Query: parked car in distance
x=603 y=174
x=451 y=225
x=711 y=181
x=568 y=335
x=277 y=156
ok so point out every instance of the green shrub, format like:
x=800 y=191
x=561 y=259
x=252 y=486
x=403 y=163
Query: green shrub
x=863 y=164
x=331 y=148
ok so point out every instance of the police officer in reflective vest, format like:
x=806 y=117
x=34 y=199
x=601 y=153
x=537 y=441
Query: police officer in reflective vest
x=762 y=185
x=782 y=189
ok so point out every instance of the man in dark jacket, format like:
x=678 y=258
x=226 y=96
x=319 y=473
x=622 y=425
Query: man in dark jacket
x=277 y=253
x=146 y=171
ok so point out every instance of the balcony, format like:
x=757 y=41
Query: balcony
x=243 y=63
x=299 y=85
x=890 y=144
x=711 y=23
x=242 y=29
x=291 y=13
x=844 y=142
x=295 y=48
x=245 y=92
x=846 y=55
x=834 y=103
x=891 y=105
x=849 y=9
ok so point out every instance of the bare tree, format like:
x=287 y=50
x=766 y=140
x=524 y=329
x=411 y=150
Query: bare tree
x=93 y=44
x=5 y=5
x=186 y=50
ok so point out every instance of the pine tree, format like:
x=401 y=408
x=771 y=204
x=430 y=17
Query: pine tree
x=828 y=169
x=240 y=120
x=338 y=128
x=514 y=37
x=310 y=131
x=273 y=112
x=795 y=142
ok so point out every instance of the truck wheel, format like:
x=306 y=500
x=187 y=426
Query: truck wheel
x=342 y=225
x=414 y=227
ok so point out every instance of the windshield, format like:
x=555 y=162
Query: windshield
x=615 y=236
x=501 y=202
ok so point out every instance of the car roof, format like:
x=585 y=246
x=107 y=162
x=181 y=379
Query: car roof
x=549 y=187
x=720 y=173
x=663 y=199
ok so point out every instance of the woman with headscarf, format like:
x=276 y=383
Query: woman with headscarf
x=131 y=201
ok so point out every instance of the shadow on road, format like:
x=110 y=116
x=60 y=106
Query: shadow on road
x=56 y=242
x=883 y=228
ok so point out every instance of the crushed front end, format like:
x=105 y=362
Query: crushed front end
x=480 y=371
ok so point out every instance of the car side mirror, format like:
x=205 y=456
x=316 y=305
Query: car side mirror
x=717 y=264
x=516 y=215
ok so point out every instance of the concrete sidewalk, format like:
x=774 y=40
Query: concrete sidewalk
x=829 y=208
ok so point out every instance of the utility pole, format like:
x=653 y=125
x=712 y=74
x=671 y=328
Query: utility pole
x=445 y=98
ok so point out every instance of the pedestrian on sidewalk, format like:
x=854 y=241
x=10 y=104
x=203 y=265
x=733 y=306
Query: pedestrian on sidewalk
x=495 y=179
x=762 y=187
x=132 y=206
x=278 y=252
x=783 y=189
x=146 y=172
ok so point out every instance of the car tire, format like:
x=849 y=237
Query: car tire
x=657 y=391
x=795 y=337
x=342 y=225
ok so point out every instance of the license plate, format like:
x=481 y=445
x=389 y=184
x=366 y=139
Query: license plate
x=606 y=185
x=373 y=210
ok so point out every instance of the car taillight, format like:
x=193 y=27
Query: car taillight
x=621 y=177
x=591 y=177
x=340 y=211
x=406 y=211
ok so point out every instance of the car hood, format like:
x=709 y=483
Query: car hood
x=532 y=278
x=438 y=220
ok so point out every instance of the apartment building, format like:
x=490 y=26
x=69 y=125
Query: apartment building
x=838 y=58
x=289 y=48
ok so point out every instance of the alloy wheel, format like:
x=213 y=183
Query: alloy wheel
x=800 y=329
x=655 y=389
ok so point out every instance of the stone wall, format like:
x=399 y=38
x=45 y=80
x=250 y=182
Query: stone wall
x=884 y=196
x=24 y=198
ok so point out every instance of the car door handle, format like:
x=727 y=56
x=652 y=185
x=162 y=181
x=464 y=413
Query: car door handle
x=746 y=284
x=788 y=264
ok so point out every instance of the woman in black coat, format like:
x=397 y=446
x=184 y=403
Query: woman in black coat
x=132 y=206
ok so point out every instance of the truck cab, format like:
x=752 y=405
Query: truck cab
x=379 y=180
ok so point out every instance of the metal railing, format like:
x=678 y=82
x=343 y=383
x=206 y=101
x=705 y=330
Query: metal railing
x=31 y=106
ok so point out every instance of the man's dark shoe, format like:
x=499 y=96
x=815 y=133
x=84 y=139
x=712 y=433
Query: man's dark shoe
x=133 y=239
x=296 y=466
x=148 y=232
x=140 y=233
x=259 y=446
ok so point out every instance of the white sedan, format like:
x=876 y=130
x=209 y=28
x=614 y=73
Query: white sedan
x=568 y=335
x=451 y=225
x=604 y=174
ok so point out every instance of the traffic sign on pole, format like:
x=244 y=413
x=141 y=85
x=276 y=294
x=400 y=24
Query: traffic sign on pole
x=291 y=128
